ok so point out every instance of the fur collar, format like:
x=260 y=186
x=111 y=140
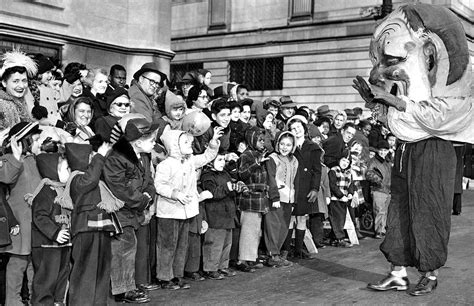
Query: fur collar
x=124 y=148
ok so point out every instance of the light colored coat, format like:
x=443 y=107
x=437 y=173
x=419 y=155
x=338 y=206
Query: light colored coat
x=178 y=173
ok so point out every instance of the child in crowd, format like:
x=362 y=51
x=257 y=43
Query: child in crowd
x=220 y=214
x=91 y=226
x=282 y=166
x=266 y=121
x=50 y=236
x=26 y=135
x=237 y=127
x=178 y=202
x=255 y=203
x=379 y=175
x=341 y=194
x=127 y=172
x=392 y=144
x=175 y=108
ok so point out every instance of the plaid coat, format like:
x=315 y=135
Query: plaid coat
x=255 y=176
x=339 y=182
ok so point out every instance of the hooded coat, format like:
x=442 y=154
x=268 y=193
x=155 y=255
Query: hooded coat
x=177 y=173
x=284 y=168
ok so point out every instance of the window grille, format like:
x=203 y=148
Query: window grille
x=177 y=71
x=259 y=73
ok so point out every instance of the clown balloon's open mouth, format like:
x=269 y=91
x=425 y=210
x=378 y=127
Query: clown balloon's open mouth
x=396 y=88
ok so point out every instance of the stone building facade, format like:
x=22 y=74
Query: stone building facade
x=308 y=49
x=99 y=33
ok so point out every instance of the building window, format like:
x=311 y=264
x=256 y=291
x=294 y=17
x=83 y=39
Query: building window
x=301 y=9
x=217 y=14
x=259 y=73
x=178 y=70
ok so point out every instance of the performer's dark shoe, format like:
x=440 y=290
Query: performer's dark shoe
x=425 y=286
x=391 y=282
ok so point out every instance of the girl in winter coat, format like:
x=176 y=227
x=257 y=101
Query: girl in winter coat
x=178 y=202
x=308 y=179
x=254 y=204
x=283 y=166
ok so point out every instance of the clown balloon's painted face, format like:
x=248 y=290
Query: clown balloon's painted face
x=403 y=60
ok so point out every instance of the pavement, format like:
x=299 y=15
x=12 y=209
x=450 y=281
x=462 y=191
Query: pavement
x=340 y=276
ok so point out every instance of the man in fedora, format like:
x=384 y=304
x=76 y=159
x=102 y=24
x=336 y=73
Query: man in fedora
x=287 y=109
x=145 y=84
x=323 y=111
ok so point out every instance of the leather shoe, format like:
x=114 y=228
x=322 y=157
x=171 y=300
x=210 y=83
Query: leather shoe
x=425 y=286
x=132 y=297
x=148 y=287
x=391 y=282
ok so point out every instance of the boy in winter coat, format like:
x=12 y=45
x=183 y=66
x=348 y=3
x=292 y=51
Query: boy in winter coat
x=178 y=202
x=127 y=172
x=220 y=214
x=50 y=237
x=255 y=203
x=341 y=194
x=379 y=175
x=91 y=226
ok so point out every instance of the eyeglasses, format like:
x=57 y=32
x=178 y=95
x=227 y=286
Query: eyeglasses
x=203 y=97
x=122 y=104
x=152 y=82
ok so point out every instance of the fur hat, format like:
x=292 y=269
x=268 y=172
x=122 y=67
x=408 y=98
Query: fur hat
x=18 y=58
x=43 y=62
x=77 y=155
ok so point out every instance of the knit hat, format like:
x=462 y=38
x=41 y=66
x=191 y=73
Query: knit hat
x=43 y=62
x=118 y=92
x=22 y=131
x=77 y=155
x=138 y=128
x=196 y=123
x=173 y=101
x=47 y=164
x=18 y=58
x=286 y=101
